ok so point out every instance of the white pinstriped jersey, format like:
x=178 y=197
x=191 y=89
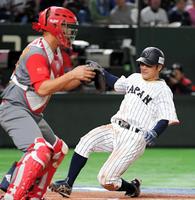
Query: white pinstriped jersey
x=145 y=102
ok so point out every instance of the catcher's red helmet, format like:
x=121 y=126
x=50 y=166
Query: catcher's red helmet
x=60 y=22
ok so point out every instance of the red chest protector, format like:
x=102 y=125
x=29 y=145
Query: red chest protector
x=35 y=102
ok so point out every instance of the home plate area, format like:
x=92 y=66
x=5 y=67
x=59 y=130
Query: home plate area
x=97 y=193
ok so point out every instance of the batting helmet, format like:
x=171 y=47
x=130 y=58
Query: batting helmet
x=151 y=56
x=60 y=22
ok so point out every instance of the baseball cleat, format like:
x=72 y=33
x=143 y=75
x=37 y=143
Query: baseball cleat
x=5 y=183
x=61 y=187
x=136 y=184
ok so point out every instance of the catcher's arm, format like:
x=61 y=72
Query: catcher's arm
x=67 y=81
x=82 y=73
x=72 y=85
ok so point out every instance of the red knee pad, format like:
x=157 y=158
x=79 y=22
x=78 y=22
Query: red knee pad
x=60 y=150
x=60 y=146
x=43 y=151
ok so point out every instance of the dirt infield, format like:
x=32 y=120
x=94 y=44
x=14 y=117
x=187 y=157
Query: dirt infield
x=77 y=195
x=116 y=196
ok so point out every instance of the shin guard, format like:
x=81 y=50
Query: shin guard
x=60 y=149
x=29 y=168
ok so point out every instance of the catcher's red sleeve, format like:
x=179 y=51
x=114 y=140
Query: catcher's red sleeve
x=37 y=66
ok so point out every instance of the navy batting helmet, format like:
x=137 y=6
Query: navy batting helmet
x=152 y=56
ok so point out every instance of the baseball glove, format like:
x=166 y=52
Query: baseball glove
x=99 y=79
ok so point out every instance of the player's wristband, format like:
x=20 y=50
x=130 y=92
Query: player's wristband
x=160 y=126
x=110 y=79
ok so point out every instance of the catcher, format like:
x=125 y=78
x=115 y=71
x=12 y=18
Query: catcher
x=145 y=112
x=38 y=74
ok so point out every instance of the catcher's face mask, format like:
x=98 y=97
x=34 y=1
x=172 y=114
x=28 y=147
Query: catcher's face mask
x=69 y=32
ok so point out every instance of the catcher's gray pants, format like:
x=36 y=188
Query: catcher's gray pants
x=23 y=127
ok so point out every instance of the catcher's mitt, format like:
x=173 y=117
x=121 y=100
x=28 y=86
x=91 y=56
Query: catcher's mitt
x=99 y=79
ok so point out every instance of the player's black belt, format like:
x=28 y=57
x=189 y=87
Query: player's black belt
x=124 y=124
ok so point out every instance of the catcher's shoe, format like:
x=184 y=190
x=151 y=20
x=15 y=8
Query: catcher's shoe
x=61 y=187
x=5 y=183
x=136 y=184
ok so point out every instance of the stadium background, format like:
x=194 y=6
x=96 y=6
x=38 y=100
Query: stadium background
x=73 y=114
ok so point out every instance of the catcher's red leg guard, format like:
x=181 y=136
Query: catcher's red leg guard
x=60 y=149
x=28 y=169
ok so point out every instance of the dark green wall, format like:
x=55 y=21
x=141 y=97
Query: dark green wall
x=104 y=36
x=73 y=115
x=177 y=43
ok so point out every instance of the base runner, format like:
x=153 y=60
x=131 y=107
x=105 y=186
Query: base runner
x=145 y=112
x=38 y=74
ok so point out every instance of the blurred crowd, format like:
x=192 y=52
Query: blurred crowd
x=177 y=80
x=152 y=12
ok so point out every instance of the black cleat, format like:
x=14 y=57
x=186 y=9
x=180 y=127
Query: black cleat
x=61 y=187
x=136 y=184
x=5 y=183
